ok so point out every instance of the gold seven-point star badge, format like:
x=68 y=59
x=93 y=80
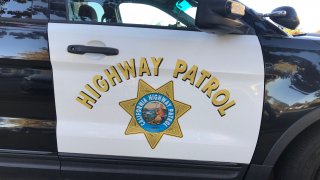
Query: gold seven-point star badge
x=154 y=112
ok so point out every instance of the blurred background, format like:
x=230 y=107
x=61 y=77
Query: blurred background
x=308 y=11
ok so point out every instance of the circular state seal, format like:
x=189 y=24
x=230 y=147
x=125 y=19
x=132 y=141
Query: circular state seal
x=154 y=112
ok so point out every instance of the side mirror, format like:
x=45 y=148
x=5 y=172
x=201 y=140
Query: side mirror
x=289 y=19
x=220 y=16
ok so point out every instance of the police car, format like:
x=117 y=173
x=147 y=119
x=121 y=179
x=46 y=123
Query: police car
x=156 y=89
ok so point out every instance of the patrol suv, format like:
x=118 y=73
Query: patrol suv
x=156 y=89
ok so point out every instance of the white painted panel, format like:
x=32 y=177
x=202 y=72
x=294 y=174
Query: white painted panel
x=235 y=60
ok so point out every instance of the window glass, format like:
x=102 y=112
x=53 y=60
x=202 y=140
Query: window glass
x=186 y=7
x=172 y=13
x=16 y=9
x=192 y=12
x=136 y=14
x=85 y=11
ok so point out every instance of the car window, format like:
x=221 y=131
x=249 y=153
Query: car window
x=132 y=13
x=170 y=13
x=85 y=11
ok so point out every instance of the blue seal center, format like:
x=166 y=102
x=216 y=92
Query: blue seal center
x=154 y=112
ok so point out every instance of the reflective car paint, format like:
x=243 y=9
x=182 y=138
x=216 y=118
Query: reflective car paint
x=27 y=109
x=27 y=9
x=292 y=83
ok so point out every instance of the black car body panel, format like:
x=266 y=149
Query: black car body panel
x=81 y=167
x=292 y=86
x=27 y=109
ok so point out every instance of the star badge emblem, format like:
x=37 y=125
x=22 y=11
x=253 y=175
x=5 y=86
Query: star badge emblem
x=154 y=112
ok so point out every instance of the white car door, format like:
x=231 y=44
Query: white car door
x=155 y=92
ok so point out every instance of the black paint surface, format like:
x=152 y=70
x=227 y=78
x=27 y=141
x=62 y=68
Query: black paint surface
x=27 y=109
x=292 y=83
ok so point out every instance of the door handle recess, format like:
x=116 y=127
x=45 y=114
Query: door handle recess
x=80 y=49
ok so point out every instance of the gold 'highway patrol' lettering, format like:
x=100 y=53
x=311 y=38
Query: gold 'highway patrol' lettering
x=207 y=83
x=112 y=77
x=219 y=98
